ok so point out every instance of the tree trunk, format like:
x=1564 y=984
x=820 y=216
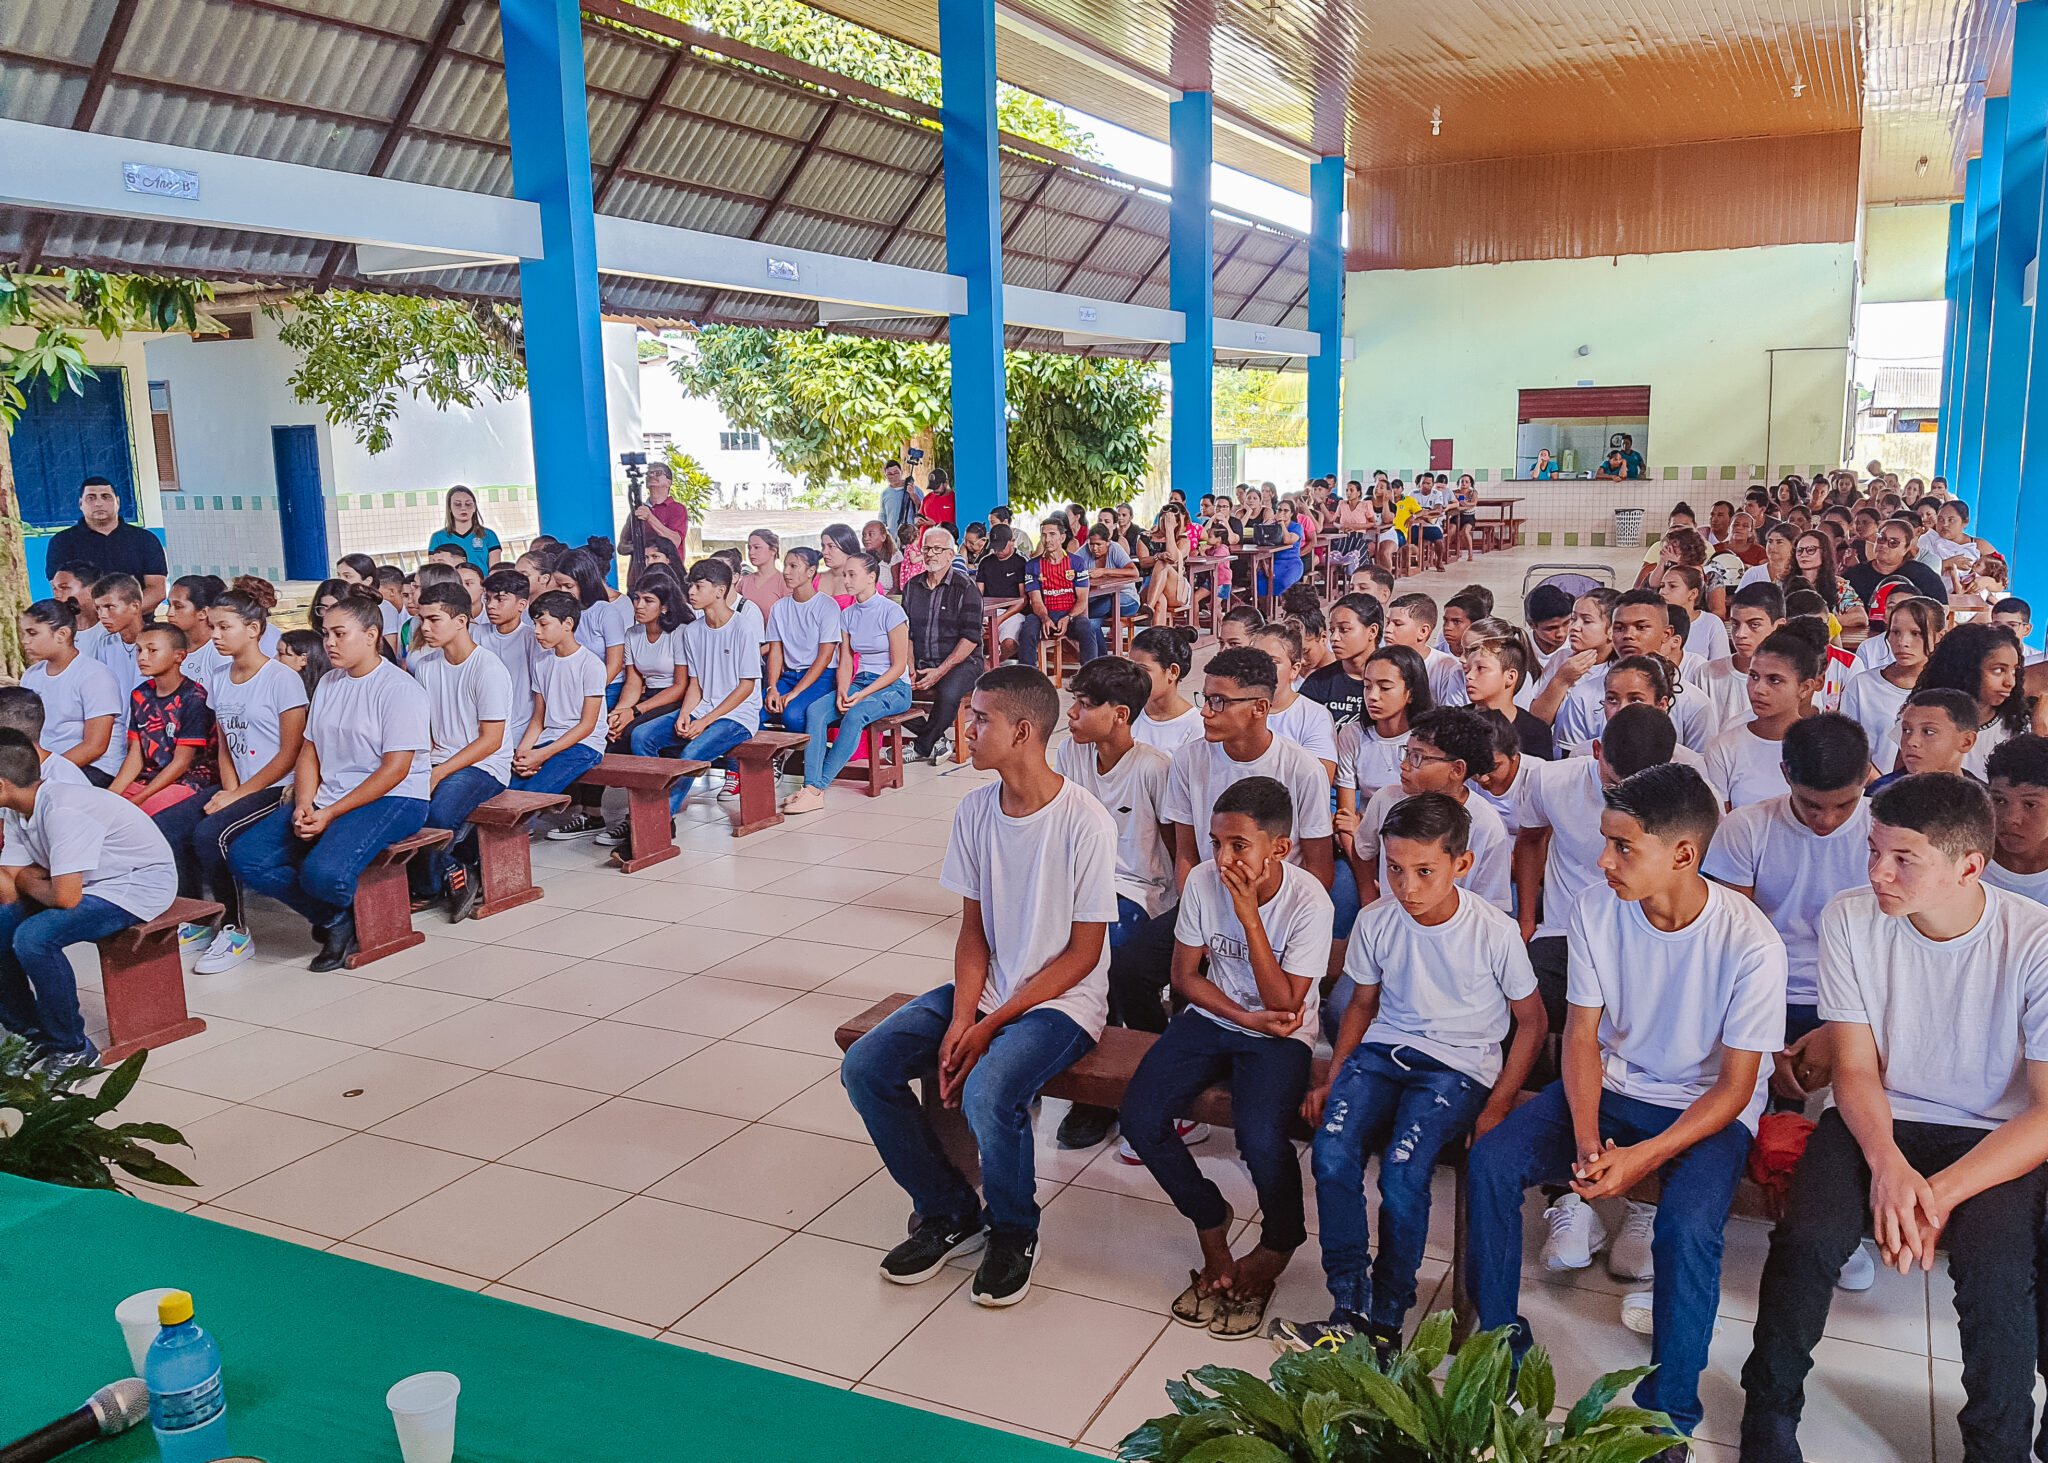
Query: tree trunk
x=13 y=568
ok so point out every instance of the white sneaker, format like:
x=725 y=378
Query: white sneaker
x=1576 y=1234
x=1860 y=1273
x=193 y=937
x=230 y=948
x=1188 y=1132
x=1629 y=1258
x=1636 y=1312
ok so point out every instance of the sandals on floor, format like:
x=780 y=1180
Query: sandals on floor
x=1191 y=1307
x=1239 y=1316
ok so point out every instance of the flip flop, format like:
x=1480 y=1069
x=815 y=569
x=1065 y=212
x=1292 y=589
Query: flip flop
x=1191 y=1307
x=1240 y=1316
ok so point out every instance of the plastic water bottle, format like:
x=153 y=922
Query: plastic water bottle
x=188 y=1406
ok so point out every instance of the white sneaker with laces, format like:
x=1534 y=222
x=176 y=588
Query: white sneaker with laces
x=1629 y=1258
x=193 y=937
x=230 y=948
x=1576 y=1234
x=1190 y=1133
x=1860 y=1273
x=1637 y=1313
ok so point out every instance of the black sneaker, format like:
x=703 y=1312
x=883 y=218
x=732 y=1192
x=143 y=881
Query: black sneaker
x=1308 y=1335
x=1005 y=1274
x=1084 y=1126
x=925 y=1253
x=337 y=943
x=584 y=825
x=465 y=891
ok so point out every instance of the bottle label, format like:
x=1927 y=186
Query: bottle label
x=193 y=1407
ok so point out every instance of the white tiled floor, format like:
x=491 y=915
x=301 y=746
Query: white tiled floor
x=622 y=1103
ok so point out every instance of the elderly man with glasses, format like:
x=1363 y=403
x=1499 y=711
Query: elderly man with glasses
x=944 y=605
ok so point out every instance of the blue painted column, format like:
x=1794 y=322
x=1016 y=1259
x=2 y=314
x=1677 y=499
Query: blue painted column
x=1966 y=479
x=2019 y=240
x=974 y=250
x=550 y=130
x=1326 y=313
x=1966 y=263
x=1944 y=442
x=1191 y=262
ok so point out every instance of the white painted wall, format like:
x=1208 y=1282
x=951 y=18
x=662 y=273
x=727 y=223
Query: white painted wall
x=744 y=479
x=1443 y=352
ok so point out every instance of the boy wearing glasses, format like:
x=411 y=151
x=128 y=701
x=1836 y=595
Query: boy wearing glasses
x=1445 y=748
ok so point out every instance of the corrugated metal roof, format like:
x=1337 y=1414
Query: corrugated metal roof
x=1906 y=388
x=686 y=130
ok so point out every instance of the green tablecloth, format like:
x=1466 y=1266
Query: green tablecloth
x=310 y=1342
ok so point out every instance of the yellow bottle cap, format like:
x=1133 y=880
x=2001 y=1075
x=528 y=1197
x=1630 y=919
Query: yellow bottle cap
x=174 y=1309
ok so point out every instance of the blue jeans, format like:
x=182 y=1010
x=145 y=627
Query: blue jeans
x=318 y=879
x=1286 y=573
x=707 y=746
x=562 y=769
x=1407 y=1107
x=1535 y=1145
x=996 y=1101
x=459 y=794
x=798 y=707
x=38 y=988
x=822 y=763
x=1085 y=632
x=1267 y=1077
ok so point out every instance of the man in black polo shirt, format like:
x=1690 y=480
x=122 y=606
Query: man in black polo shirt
x=945 y=637
x=101 y=539
x=1891 y=553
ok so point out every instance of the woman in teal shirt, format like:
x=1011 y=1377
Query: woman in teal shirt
x=465 y=531
x=1544 y=468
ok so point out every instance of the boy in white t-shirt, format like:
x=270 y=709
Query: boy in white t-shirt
x=2018 y=771
x=1412 y=621
x=469 y=700
x=1935 y=989
x=1677 y=994
x=507 y=633
x=722 y=648
x=1445 y=747
x=1754 y=612
x=1745 y=762
x=79 y=864
x=1416 y=1064
x=1250 y=1024
x=117 y=603
x=1033 y=858
x=1129 y=779
x=565 y=736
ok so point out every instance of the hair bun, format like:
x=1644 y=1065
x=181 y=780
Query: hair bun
x=260 y=590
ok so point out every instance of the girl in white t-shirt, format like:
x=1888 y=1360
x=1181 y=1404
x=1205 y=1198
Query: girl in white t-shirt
x=1294 y=716
x=1984 y=661
x=1873 y=699
x=601 y=629
x=1745 y=762
x=875 y=634
x=802 y=641
x=190 y=598
x=1369 y=749
x=259 y=717
x=360 y=785
x=653 y=684
x=81 y=699
x=1169 y=721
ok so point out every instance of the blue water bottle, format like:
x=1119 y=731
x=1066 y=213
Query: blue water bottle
x=188 y=1406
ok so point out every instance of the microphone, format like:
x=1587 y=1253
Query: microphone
x=113 y=1409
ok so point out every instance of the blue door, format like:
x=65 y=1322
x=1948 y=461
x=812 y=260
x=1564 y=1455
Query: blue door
x=59 y=444
x=301 y=507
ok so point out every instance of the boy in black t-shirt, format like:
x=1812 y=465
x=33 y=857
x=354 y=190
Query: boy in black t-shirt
x=170 y=727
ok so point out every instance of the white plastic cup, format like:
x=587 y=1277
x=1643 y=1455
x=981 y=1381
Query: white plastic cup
x=139 y=1325
x=423 y=1410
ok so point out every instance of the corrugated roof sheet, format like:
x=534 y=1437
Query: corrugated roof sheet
x=735 y=142
x=1906 y=388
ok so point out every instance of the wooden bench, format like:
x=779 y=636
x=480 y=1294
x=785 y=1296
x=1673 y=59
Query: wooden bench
x=504 y=847
x=143 y=981
x=1100 y=1077
x=383 y=907
x=650 y=826
x=882 y=768
x=758 y=758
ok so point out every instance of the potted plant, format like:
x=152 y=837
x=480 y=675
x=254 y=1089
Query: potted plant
x=50 y=1127
x=1348 y=1406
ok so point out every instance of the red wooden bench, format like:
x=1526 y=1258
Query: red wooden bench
x=383 y=906
x=757 y=759
x=144 y=982
x=504 y=847
x=650 y=826
x=882 y=768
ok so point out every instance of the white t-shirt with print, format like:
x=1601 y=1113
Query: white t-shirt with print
x=251 y=715
x=460 y=698
x=1169 y=736
x=203 y=663
x=1567 y=797
x=803 y=628
x=87 y=830
x=719 y=659
x=1491 y=876
x=1744 y=768
x=355 y=720
x=1298 y=921
x=1444 y=989
x=1673 y=1002
x=1035 y=878
x=1955 y=1021
x=85 y=692
x=520 y=652
x=1308 y=724
x=1202 y=770
x=1367 y=761
x=1132 y=792
x=1795 y=872
x=564 y=683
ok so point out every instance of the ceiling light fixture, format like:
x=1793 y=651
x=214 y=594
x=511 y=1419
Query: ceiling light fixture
x=1921 y=166
x=1436 y=121
x=1798 y=86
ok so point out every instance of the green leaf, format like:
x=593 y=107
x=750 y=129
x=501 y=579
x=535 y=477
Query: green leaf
x=121 y=1081
x=1249 y=1397
x=1393 y=1404
x=1237 y=1449
x=1536 y=1386
x=1586 y=1411
x=1432 y=1341
x=142 y=1164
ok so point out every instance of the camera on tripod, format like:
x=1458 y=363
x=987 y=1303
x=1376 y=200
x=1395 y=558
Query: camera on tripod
x=635 y=464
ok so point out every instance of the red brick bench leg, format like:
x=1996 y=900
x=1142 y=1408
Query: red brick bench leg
x=650 y=830
x=505 y=855
x=144 y=985
x=759 y=807
x=383 y=904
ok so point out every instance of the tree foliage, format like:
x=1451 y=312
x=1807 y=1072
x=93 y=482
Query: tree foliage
x=1262 y=408
x=359 y=353
x=1080 y=428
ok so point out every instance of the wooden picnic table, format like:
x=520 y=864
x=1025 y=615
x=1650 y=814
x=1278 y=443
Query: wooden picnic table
x=993 y=613
x=1261 y=561
x=1112 y=582
x=1196 y=567
x=1503 y=523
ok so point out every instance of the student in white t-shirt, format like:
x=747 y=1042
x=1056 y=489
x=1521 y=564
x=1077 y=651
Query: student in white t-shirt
x=2019 y=800
x=1369 y=750
x=1745 y=762
x=600 y=627
x=1294 y=716
x=1250 y=1024
x=721 y=648
x=1445 y=748
x=259 y=716
x=654 y=681
x=803 y=642
x=565 y=736
x=1416 y=1064
x=192 y=595
x=360 y=784
x=81 y=702
x=117 y=603
x=469 y=698
x=1412 y=621
x=1874 y=697
x=78 y=865
x=506 y=632
x=1033 y=858
x=359 y=571
x=872 y=680
x=1677 y=995
x=1935 y=990
x=1170 y=721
